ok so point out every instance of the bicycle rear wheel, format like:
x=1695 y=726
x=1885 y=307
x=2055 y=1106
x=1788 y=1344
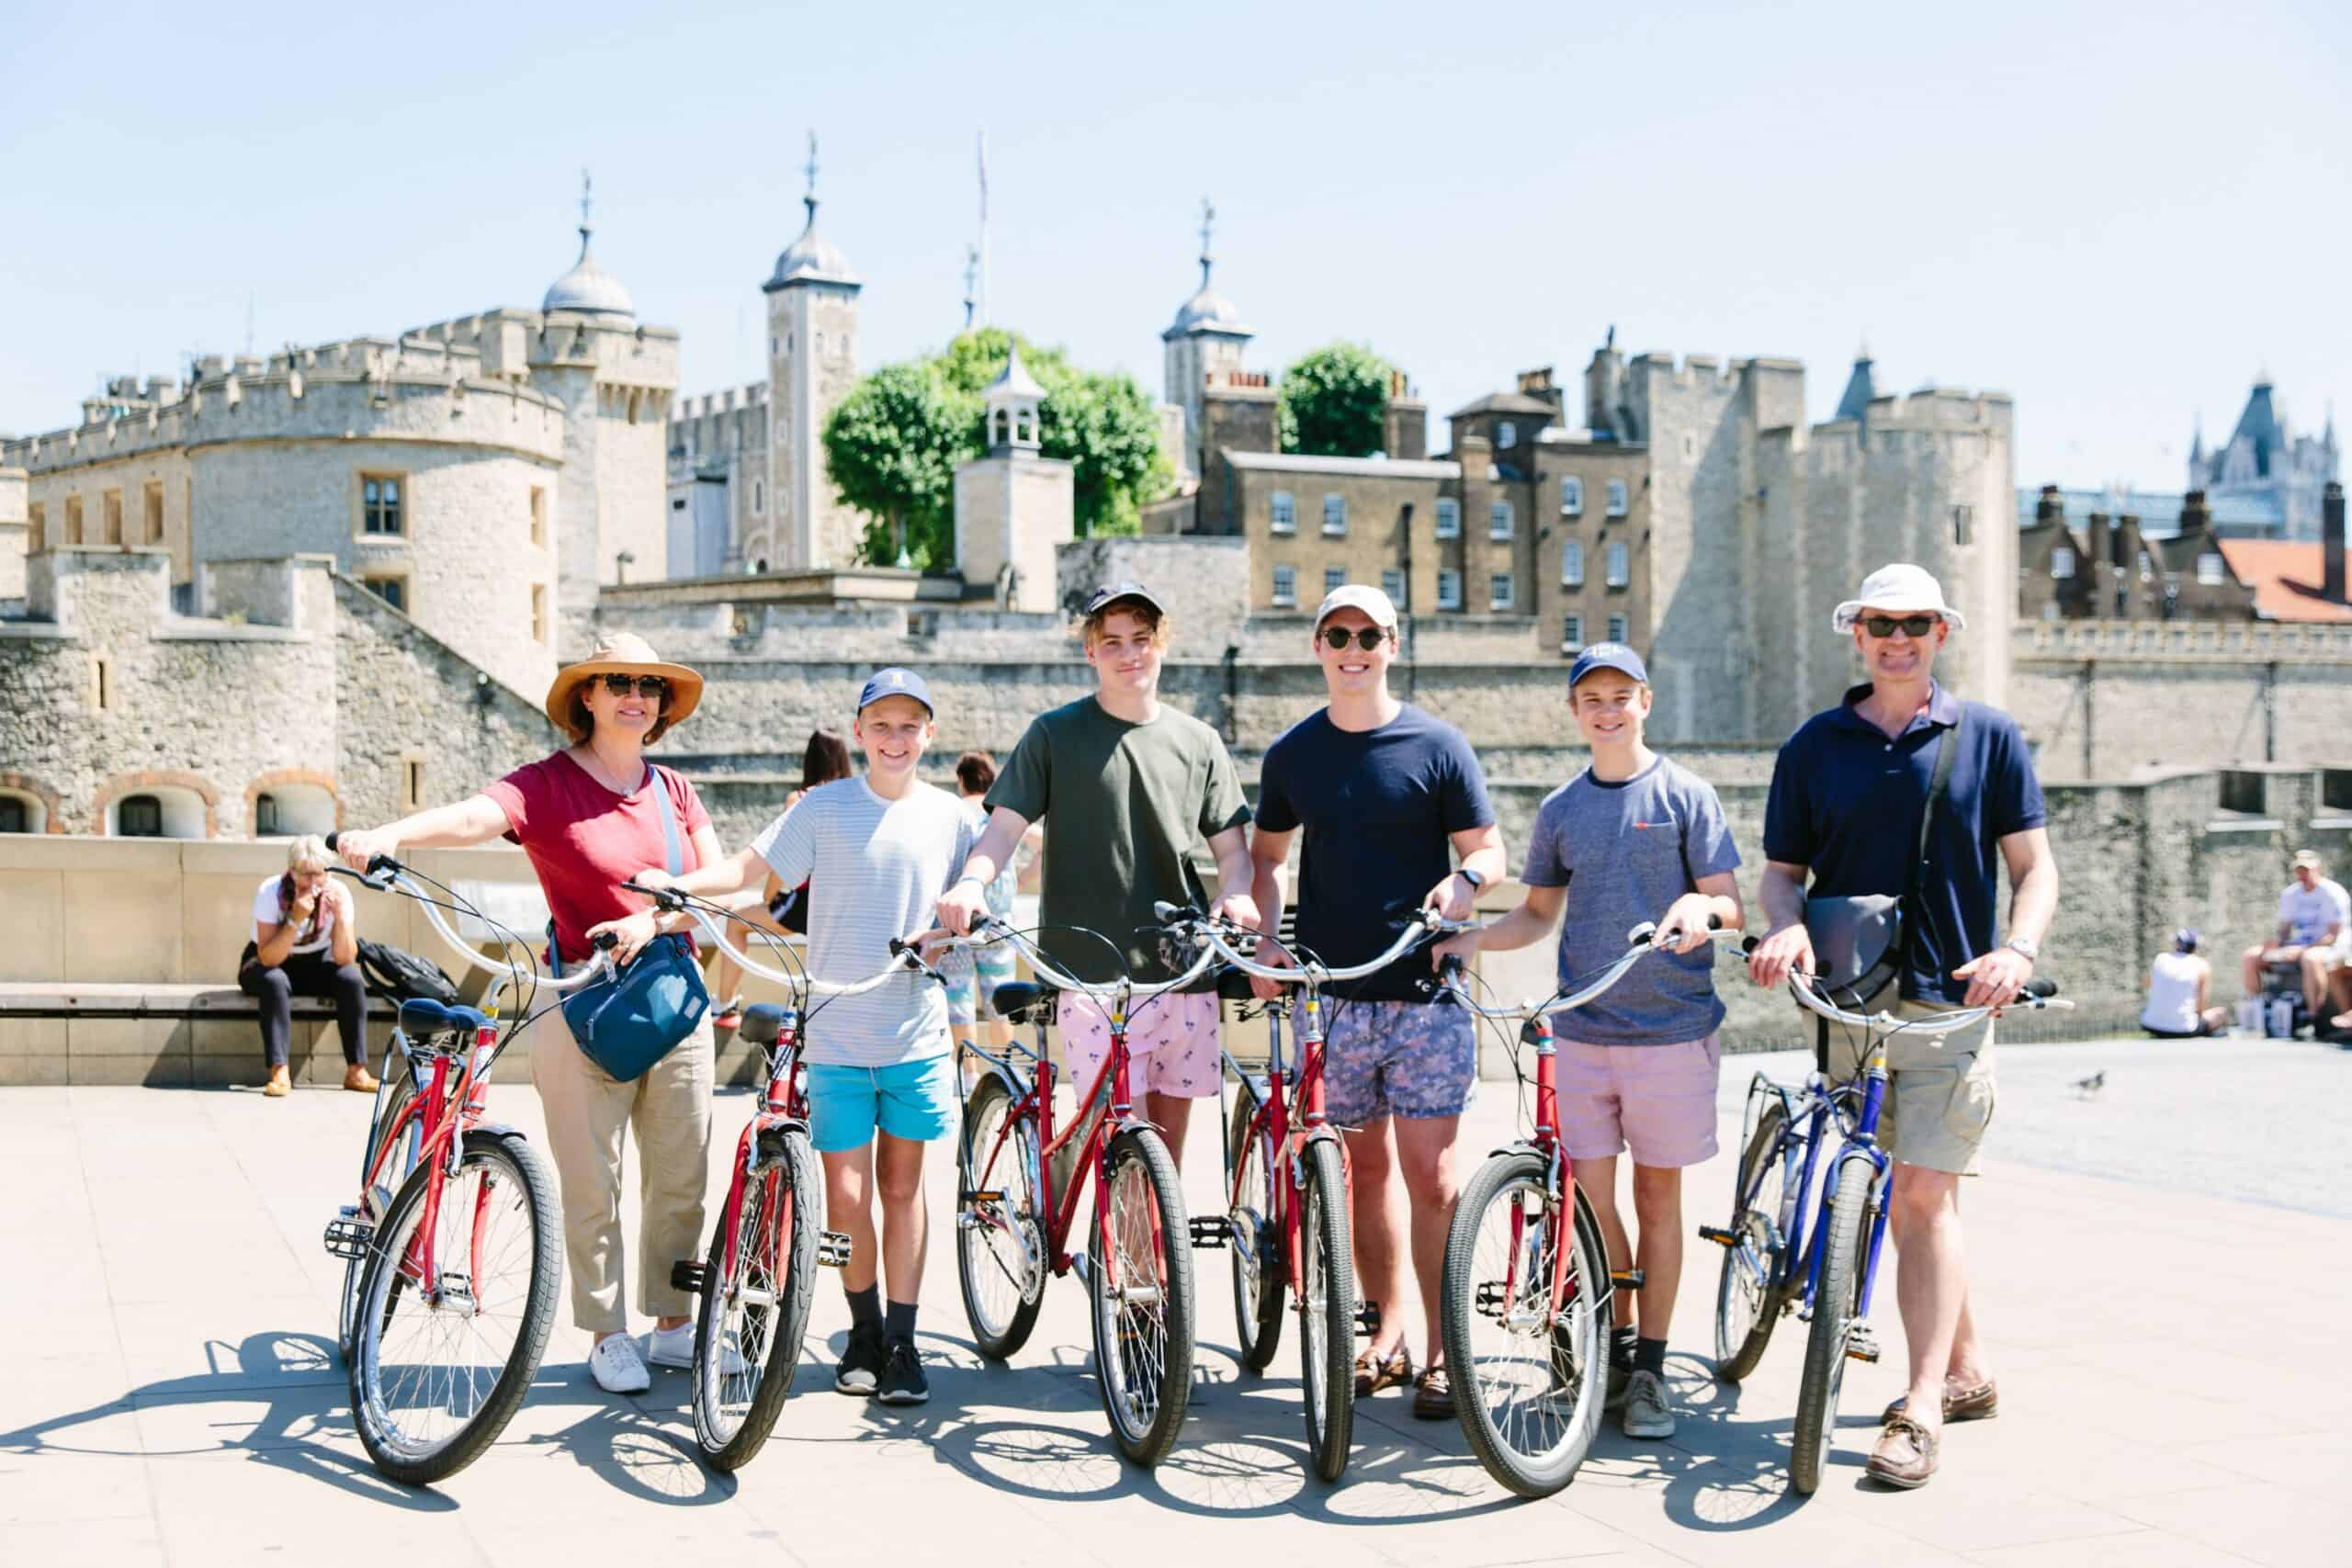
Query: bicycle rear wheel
x=1327 y=1310
x=439 y=1367
x=1748 y=1303
x=1836 y=1307
x=1529 y=1382
x=1260 y=1273
x=749 y=1324
x=999 y=1235
x=1140 y=1283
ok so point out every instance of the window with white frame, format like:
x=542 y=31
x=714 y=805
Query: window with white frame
x=1285 y=586
x=2061 y=562
x=1334 y=579
x=1498 y=591
x=2211 y=571
x=1572 y=564
x=1284 y=511
x=1449 y=518
x=1571 y=496
x=1335 y=514
x=1392 y=582
x=1617 y=501
x=1620 y=569
x=1571 y=633
x=1617 y=629
x=1499 y=520
x=1448 y=589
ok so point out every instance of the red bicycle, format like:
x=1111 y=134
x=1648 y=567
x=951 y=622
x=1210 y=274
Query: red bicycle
x=452 y=1253
x=755 y=1283
x=1017 y=1182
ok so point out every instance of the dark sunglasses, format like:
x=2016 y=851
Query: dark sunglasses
x=1914 y=625
x=1366 y=637
x=643 y=685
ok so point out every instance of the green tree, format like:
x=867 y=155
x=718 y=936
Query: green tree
x=903 y=442
x=1334 y=401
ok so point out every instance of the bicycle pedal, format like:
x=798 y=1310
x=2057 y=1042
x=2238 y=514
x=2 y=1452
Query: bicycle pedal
x=1625 y=1279
x=1862 y=1344
x=978 y=1195
x=832 y=1249
x=687 y=1274
x=1211 y=1230
x=348 y=1235
x=1368 y=1320
x=1719 y=1236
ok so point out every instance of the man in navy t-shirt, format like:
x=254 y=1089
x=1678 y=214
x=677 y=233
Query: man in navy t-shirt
x=1847 y=793
x=1387 y=796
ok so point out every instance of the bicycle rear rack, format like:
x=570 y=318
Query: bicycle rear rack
x=349 y=1235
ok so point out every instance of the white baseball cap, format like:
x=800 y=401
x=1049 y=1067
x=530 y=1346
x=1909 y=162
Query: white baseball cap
x=1356 y=596
x=1900 y=589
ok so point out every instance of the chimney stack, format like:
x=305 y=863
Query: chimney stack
x=2048 y=508
x=2196 y=517
x=2331 y=530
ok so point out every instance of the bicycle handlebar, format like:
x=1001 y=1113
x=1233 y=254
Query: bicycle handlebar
x=2037 y=996
x=903 y=955
x=1216 y=932
x=1054 y=976
x=1642 y=939
x=386 y=874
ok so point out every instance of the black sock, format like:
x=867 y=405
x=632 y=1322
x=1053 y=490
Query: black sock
x=1621 y=1347
x=864 y=1307
x=900 y=1320
x=1649 y=1356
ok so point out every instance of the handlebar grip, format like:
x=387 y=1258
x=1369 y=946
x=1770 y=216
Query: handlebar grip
x=1169 y=914
x=1750 y=943
x=1715 y=923
x=664 y=898
x=2038 y=988
x=331 y=839
x=604 y=941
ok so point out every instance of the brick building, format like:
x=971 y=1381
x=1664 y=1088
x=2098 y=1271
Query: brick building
x=2114 y=569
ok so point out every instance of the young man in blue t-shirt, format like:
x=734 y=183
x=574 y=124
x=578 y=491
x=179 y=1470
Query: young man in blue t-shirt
x=1637 y=1065
x=1387 y=796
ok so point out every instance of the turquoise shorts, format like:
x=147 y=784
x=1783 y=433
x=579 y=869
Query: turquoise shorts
x=914 y=1101
x=968 y=993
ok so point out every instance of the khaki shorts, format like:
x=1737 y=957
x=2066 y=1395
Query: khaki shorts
x=1939 y=1090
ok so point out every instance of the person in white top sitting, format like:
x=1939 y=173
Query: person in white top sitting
x=2179 y=987
x=2315 y=932
x=306 y=942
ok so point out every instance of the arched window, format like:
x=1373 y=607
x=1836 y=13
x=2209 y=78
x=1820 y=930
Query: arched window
x=15 y=816
x=265 y=817
x=138 y=817
x=1003 y=428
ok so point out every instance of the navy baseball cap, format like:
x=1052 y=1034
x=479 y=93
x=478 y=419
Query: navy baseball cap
x=1111 y=594
x=1608 y=655
x=895 y=683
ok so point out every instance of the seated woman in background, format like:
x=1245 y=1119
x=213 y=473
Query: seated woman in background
x=306 y=942
x=2179 y=984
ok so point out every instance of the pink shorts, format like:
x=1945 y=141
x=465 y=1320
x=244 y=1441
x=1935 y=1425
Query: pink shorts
x=1658 y=1101
x=1171 y=1043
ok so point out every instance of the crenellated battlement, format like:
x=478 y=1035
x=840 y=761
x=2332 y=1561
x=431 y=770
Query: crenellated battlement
x=728 y=399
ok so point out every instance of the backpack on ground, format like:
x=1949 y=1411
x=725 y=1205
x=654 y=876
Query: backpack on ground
x=403 y=976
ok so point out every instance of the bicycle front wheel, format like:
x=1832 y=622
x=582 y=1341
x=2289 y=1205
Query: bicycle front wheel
x=1140 y=1283
x=749 y=1322
x=1327 y=1311
x=440 y=1363
x=1255 y=1236
x=1836 y=1306
x=999 y=1235
x=1529 y=1376
x=1748 y=1303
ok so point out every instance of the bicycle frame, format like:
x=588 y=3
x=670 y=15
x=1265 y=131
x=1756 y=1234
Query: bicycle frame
x=1033 y=1100
x=1290 y=1123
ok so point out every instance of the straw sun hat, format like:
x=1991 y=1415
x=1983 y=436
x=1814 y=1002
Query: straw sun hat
x=629 y=653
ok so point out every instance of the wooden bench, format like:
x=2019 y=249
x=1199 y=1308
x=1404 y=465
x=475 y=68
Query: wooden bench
x=161 y=1033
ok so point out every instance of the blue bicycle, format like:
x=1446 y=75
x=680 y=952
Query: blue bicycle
x=1795 y=1245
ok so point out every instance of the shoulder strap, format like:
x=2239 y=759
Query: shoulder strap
x=1938 y=785
x=669 y=820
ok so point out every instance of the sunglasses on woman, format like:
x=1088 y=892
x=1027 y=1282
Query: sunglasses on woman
x=1913 y=625
x=643 y=685
x=1366 y=637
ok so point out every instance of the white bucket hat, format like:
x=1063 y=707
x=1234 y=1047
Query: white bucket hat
x=1899 y=590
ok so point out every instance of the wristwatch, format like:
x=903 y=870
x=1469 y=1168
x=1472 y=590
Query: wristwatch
x=2027 y=945
x=1472 y=877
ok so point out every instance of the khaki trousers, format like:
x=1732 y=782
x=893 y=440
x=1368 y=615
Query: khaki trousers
x=587 y=1108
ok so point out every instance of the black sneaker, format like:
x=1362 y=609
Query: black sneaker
x=862 y=1363
x=902 y=1380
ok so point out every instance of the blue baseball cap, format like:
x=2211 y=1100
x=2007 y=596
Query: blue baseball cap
x=895 y=683
x=1608 y=655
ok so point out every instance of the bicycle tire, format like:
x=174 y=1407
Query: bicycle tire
x=779 y=1217
x=993 y=1236
x=1327 y=1311
x=418 y=1463
x=1747 y=1309
x=1141 y=1206
x=1833 y=1308
x=1495 y=1396
x=355 y=1269
x=1260 y=1271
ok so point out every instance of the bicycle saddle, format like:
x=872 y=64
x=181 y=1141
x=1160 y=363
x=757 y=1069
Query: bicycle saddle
x=423 y=1016
x=1014 y=1000
x=763 y=1022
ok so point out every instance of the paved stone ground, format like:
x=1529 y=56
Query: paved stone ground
x=2159 y=1268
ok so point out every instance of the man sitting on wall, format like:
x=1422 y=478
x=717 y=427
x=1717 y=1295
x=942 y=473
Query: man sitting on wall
x=2314 y=934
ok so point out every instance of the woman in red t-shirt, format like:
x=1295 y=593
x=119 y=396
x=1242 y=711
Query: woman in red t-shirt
x=589 y=818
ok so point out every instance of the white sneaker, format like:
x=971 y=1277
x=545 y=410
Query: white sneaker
x=675 y=1348
x=617 y=1366
x=1647 y=1415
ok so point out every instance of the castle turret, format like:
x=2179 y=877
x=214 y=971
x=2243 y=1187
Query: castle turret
x=1206 y=337
x=812 y=364
x=587 y=288
x=1013 y=507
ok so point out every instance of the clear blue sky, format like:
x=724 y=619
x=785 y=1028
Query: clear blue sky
x=2115 y=214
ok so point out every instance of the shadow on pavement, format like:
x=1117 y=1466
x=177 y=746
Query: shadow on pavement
x=1723 y=1474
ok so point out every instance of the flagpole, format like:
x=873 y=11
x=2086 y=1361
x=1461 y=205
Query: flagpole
x=983 y=144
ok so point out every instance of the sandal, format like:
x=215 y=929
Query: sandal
x=1434 y=1396
x=1374 y=1374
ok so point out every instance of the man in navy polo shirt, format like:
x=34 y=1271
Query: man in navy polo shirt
x=1844 y=815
